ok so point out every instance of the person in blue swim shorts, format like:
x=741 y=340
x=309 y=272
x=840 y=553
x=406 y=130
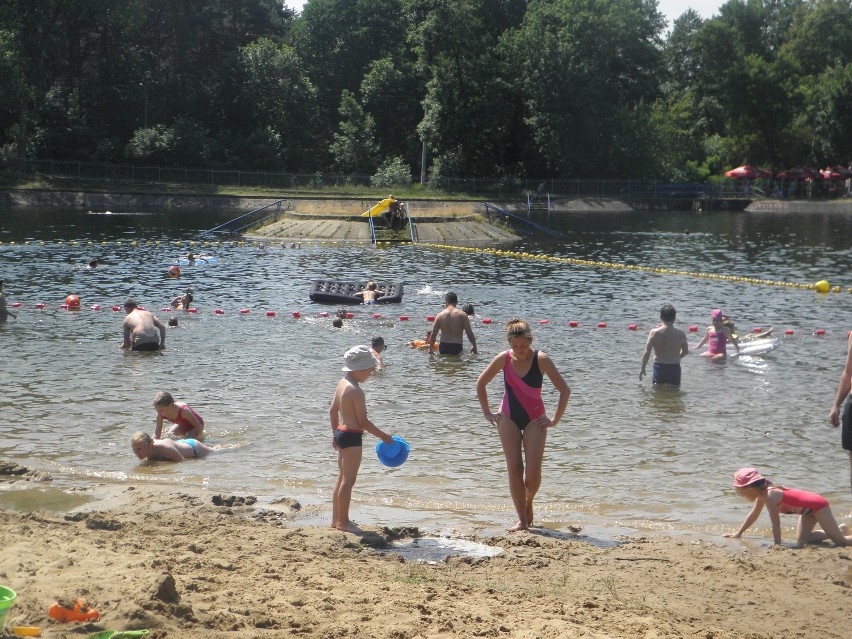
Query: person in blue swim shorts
x=669 y=346
x=147 y=448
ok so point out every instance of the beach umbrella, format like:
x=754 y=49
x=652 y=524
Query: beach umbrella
x=748 y=172
x=799 y=173
x=836 y=172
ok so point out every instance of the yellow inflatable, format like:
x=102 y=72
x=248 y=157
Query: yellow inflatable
x=379 y=208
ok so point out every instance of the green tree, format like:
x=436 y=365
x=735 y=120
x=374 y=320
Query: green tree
x=584 y=69
x=354 y=148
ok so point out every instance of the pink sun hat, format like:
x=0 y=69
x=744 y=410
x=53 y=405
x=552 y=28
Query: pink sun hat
x=746 y=477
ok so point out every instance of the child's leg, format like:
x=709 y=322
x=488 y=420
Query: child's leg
x=826 y=520
x=348 y=462
x=805 y=533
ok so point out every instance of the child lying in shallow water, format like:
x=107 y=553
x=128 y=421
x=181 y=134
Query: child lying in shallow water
x=151 y=449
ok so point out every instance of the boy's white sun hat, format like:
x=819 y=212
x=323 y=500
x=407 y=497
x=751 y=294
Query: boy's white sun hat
x=358 y=358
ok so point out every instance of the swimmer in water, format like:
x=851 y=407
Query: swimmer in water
x=183 y=302
x=717 y=335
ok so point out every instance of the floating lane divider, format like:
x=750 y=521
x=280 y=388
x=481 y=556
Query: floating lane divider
x=822 y=286
x=72 y=307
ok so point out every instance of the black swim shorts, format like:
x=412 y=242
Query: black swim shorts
x=348 y=438
x=146 y=346
x=667 y=374
x=445 y=348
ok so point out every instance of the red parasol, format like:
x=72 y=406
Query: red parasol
x=748 y=172
x=799 y=173
x=836 y=172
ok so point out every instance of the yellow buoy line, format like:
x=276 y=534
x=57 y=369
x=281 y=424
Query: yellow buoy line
x=822 y=286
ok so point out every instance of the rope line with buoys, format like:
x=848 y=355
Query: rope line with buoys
x=73 y=303
x=821 y=287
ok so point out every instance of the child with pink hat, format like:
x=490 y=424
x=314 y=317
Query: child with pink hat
x=717 y=335
x=812 y=509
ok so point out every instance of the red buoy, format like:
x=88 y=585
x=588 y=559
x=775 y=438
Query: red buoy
x=486 y=320
x=601 y=324
x=297 y=314
x=631 y=327
x=430 y=318
x=544 y=321
x=573 y=323
x=693 y=329
x=820 y=331
x=270 y=313
x=244 y=311
x=789 y=331
x=403 y=317
x=219 y=311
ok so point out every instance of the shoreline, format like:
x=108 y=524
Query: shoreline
x=182 y=562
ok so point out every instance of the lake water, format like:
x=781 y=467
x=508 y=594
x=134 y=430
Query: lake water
x=626 y=455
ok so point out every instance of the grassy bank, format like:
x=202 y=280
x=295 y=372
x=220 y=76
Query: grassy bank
x=16 y=181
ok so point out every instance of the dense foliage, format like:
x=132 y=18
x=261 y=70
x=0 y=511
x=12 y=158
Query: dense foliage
x=498 y=88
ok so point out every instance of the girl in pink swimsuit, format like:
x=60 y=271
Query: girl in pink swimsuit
x=717 y=336
x=187 y=423
x=812 y=509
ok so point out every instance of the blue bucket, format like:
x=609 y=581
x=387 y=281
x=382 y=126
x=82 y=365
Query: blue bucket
x=393 y=454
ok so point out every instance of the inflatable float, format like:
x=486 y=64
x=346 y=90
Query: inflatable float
x=757 y=347
x=379 y=208
x=201 y=259
x=334 y=292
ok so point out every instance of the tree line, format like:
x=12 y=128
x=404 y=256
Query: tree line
x=495 y=88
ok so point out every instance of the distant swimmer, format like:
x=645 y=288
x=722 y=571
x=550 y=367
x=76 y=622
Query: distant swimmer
x=452 y=325
x=717 y=336
x=669 y=346
x=98 y=261
x=182 y=302
x=150 y=449
x=369 y=295
x=143 y=331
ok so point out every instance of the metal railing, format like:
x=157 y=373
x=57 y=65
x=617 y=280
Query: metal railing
x=242 y=222
x=518 y=223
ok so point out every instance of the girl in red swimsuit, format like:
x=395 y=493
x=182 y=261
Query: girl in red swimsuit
x=812 y=509
x=521 y=421
x=187 y=423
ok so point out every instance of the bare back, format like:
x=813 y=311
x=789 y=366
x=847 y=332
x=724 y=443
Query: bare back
x=452 y=324
x=669 y=344
x=142 y=327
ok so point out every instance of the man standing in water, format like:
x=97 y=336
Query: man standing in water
x=141 y=329
x=669 y=345
x=453 y=324
x=844 y=388
x=4 y=311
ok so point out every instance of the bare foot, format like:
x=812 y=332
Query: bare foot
x=519 y=526
x=350 y=527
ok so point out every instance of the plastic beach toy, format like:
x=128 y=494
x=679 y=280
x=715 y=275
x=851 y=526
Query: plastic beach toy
x=79 y=611
x=393 y=454
x=7 y=596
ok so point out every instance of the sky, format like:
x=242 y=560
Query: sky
x=670 y=8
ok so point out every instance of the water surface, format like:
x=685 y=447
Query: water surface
x=626 y=454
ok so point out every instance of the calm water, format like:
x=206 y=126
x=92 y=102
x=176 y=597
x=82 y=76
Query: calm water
x=626 y=455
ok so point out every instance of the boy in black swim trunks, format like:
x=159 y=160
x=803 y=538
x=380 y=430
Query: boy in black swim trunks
x=348 y=422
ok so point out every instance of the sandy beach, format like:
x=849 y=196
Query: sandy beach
x=192 y=565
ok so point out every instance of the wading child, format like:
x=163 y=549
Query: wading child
x=187 y=423
x=717 y=337
x=145 y=447
x=812 y=509
x=348 y=422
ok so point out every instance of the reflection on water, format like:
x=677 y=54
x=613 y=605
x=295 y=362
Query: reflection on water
x=625 y=454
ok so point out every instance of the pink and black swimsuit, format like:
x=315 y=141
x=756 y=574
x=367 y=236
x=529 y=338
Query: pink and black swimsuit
x=522 y=398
